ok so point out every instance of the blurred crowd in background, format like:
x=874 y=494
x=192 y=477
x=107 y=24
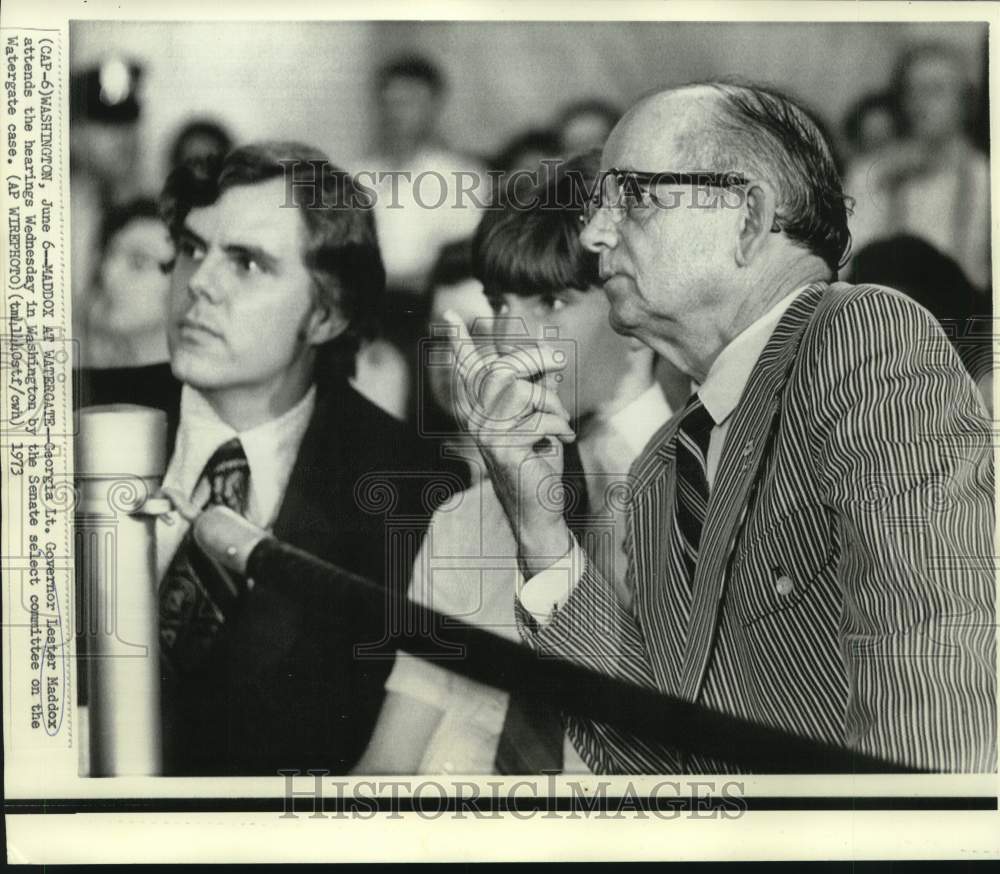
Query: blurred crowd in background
x=913 y=154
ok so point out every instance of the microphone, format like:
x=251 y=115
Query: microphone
x=504 y=664
x=120 y=460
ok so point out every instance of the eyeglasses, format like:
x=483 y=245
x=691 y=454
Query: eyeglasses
x=624 y=193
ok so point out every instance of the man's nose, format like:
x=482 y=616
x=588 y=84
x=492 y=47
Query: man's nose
x=202 y=282
x=600 y=232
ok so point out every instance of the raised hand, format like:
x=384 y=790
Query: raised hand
x=507 y=399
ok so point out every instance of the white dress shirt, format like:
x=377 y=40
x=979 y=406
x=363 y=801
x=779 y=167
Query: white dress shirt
x=470 y=540
x=271 y=449
x=720 y=393
x=416 y=216
x=948 y=206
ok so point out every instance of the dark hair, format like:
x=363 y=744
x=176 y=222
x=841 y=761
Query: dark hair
x=764 y=133
x=534 y=250
x=915 y=267
x=341 y=250
x=909 y=58
x=533 y=140
x=936 y=282
x=411 y=67
x=453 y=265
x=200 y=127
x=854 y=118
x=119 y=217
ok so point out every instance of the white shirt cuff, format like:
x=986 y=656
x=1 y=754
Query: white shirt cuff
x=418 y=678
x=546 y=592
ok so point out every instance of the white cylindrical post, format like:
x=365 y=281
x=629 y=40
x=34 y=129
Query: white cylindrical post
x=120 y=460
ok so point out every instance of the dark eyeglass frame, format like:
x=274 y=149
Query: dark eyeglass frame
x=646 y=179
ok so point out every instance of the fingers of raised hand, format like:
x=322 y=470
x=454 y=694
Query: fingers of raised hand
x=472 y=365
x=514 y=407
x=505 y=384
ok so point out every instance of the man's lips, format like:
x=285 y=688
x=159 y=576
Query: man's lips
x=607 y=272
x=189 y=325
x=612 y=278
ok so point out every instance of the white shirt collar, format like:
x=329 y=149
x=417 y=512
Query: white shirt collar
x=637 y=421
x=270 y=448
x=727 y=377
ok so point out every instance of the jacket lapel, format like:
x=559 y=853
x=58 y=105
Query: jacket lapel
x=271 y=623
x=662 y=602
x=304 y=519
x=739 y=470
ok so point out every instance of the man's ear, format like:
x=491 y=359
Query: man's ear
x=756 y=220
x=325 y=322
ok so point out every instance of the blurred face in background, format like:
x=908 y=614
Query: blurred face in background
x=877 y=130
x=200 y=146
x=134 y=286
x=576 y=322
x=585 y=131
x=934 y=94
x=408 y=110
x=110 y=152
x=529 y=169
x=465 y=298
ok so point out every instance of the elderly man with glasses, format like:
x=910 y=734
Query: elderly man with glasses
x=810 y=541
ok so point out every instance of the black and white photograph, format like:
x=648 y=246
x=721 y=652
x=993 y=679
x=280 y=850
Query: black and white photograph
x=598 y=411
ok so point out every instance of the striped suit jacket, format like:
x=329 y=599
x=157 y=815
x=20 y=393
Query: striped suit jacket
x=845 y=584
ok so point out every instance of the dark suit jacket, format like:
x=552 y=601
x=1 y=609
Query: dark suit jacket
x=292 y=683
x=845 y=584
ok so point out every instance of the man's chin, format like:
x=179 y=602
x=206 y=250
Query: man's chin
x=197 y=374
x=620 y=323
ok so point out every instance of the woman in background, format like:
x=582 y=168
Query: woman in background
x=543 y=287
x=932 y=183
x=126 y=323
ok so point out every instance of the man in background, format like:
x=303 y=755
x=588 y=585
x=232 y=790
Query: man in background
x=425 y=196
x=585 y=124
x=932 y=182
x=418 y=214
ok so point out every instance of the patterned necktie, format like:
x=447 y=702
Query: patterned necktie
x=531 y=741
x=691 y=492
x=197 y=592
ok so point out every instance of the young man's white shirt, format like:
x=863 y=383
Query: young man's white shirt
x=271 y=449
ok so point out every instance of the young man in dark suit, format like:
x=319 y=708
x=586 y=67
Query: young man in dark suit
x=277 y=274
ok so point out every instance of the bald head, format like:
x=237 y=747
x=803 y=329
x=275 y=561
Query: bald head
x=753 y=131
x=664 y=125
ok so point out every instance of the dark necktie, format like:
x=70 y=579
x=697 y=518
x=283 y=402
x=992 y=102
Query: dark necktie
x=531 y=741
x=197 y=593
x=691 y=493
